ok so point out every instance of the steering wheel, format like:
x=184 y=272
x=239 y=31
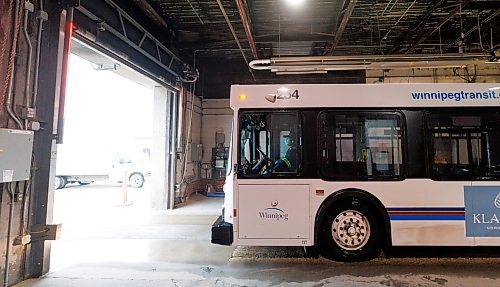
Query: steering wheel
x=262 y=162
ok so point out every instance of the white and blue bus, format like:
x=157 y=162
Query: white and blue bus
x=351 y=169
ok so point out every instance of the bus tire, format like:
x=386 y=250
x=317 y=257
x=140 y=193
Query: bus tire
x=350 y=232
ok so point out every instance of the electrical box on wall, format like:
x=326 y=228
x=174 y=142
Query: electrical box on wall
x=196 y=152
x=16 y=147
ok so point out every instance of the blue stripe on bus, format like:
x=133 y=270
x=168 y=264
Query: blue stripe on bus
x=426 y=213
x=427 y=217
x=425 y=209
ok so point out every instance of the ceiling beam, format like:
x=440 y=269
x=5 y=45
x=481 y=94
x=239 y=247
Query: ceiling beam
x=233 y=32
x=443 y=21
x=419 y=24
x=342 y=26
x=245 y=20
x=151 y=13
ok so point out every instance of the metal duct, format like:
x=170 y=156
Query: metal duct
x=308 y=65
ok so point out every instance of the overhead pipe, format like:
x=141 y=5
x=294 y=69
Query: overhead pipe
x=29 y=7
x=373 y=58
x=331 y=63
x=8 y=101
x=41 y=18
x=369 y=66
x=260 y=64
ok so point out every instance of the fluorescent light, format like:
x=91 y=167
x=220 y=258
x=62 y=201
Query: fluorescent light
x=494 y=89
x=300 y=72
x=295 y=3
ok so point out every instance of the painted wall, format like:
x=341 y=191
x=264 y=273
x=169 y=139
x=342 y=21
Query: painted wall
x=484 y=73
x=17 y=252
x=216 y=117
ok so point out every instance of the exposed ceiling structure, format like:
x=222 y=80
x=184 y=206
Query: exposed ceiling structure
x=222 y=37
x=333 y=27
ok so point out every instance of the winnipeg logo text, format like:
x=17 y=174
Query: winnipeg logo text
x=273 y=213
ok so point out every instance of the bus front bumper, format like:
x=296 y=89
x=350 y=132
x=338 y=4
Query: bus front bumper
x=222 y=232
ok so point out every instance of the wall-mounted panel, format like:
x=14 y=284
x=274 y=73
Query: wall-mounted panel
x=16 y=147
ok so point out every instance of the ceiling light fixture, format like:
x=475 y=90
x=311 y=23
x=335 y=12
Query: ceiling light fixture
x=295 y=3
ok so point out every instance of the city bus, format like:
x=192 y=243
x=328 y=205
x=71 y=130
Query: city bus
x=352 y=169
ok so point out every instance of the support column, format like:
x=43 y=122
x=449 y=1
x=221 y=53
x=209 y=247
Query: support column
x=52 y=50
x=161 y=148
x=174 y=109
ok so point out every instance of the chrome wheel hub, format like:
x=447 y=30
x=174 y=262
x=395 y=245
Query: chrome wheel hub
x=350 y=230
x=135 y=180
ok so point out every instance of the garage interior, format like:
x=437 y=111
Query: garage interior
x=193 y=51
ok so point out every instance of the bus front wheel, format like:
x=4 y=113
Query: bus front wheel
x=350 y=232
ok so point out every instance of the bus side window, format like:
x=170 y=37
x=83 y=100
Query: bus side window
x=465 y=146
x=365 y=145
x=492 y=150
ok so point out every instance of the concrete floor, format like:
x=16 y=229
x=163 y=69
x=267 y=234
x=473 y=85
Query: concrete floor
x=116 y=245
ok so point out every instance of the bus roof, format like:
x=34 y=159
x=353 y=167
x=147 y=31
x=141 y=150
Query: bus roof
x=364 y=95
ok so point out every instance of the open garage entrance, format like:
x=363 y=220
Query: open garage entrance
x=108 y=123
x=112 y=162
